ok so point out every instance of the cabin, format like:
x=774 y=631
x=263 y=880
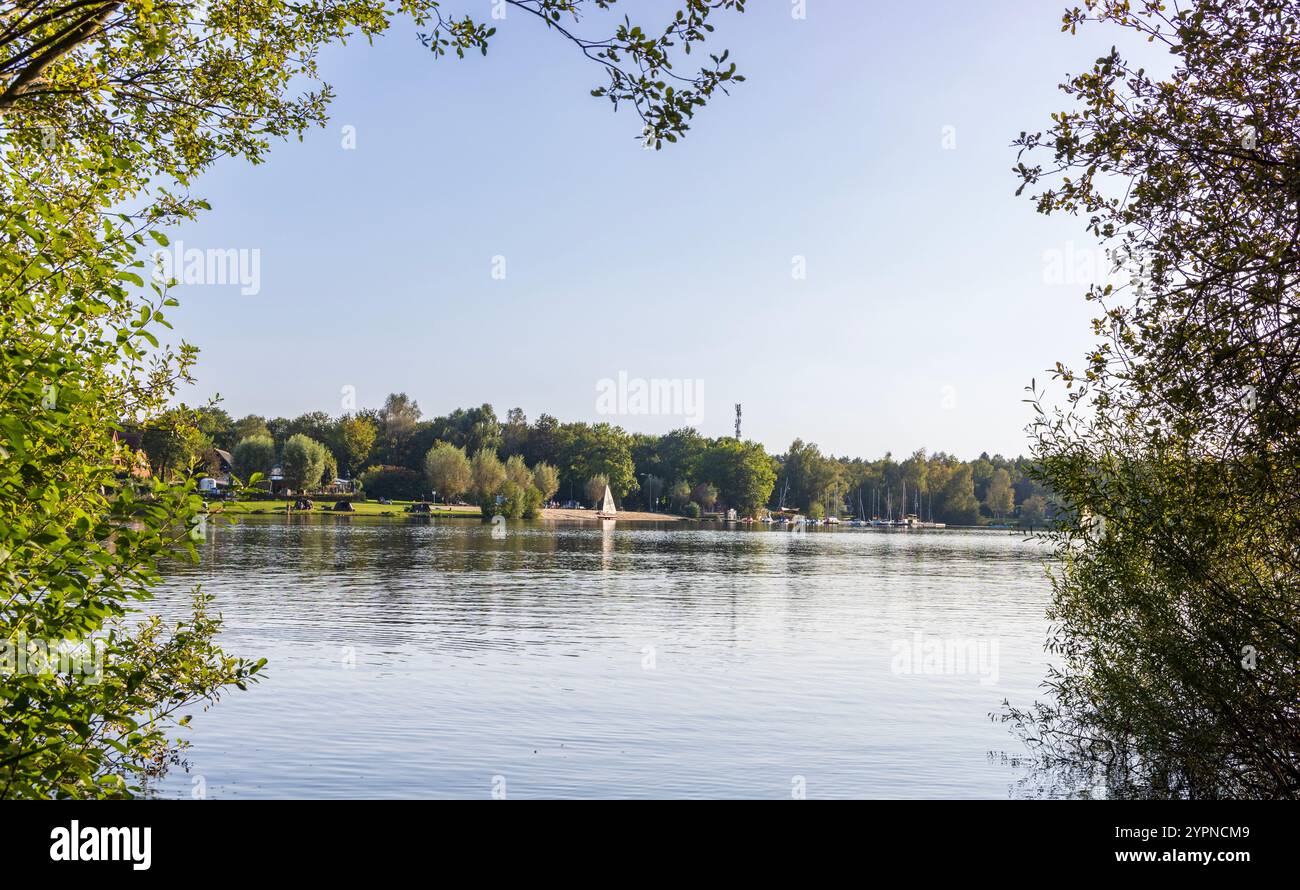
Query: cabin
x=222 y=461
x=220 y=467
x=129 y=459
x=276 y=480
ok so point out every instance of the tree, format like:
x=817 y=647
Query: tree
x=1033 y=511
x=679 y=454
x=546 y=480
x=517 y=471
x=279 y=429
x=489 y=485
x=810 y=476
x=603 y=450
x=400 y=411
x=956 y=503
x=251 y=425
x=314 y=425
x=742 y=471
x=174 y=444
x=547 y=441
x=680 y=493
x=999 y=497
x=472 y=429
x=356 y=438
x=394 y=483
x=595 y=489
x=218 y=426
x=487 y=473
x=448 y=471
x=303 y=462
x=82 y=551
x=514 y=433
x=705 y=494
x=981 y=475
x=254 y=454
x=1176 y=460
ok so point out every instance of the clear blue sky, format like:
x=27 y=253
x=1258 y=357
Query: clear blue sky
x=923 y=269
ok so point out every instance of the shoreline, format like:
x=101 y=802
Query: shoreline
x=398 y=511
x=561 y=514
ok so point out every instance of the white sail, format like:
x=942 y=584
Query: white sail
x=608 y=505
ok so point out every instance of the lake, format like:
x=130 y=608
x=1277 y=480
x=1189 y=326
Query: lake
x=427 y=658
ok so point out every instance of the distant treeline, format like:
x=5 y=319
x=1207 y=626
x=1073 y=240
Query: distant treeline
x=388 y=451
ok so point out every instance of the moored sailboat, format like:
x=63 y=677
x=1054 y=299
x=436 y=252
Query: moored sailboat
x=607 y=509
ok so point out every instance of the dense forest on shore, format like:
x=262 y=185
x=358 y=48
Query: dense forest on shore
x=388 y=451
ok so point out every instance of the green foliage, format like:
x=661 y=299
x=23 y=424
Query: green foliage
x=473 y=429
x=503 y=489
x=705 y=494
x=304 y=462
x=691 y=510
x=513 y=501
x=601 y=450
x=78 y=550
x=560 y=454
x=1034 y=510
x=448 y=471
x=487 y=474
x=546 y=480
x=356 y=438
x=1176 y=611
x=254 y=454
x=680 y=493
x=999 y=497
x=743 y=473
x=175 y=445
x=594 y=489
x=957 y=504
x=517 y=471
x=217 y=426
x=394 y=483
x=249 y=426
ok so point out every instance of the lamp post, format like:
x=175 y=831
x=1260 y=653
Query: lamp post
x=645 y=487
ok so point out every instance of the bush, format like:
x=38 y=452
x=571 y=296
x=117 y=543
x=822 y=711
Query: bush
x=512 y=500
x=305 y=462
x=532 y=502
x=394 y=483
x=516 y=502
x=254 y=454
x=691 y=510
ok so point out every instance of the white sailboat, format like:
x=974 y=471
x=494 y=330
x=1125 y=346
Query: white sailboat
x=607 y=510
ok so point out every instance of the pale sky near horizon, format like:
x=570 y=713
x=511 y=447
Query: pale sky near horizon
x=924 y=313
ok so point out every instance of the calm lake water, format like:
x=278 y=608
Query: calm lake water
x=432 y=659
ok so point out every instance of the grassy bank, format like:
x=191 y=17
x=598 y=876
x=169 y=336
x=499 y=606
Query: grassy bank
x=359 y=508
x=397 y=510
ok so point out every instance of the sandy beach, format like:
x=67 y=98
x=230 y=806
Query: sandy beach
x=558 y=514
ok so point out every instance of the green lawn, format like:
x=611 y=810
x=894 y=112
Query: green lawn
x=360 y=508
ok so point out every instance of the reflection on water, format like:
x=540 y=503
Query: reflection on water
x=431 y=659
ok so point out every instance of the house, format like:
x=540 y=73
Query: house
x=129 y=458
x=225 y=464
x=220 y=467
x=276 y=480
